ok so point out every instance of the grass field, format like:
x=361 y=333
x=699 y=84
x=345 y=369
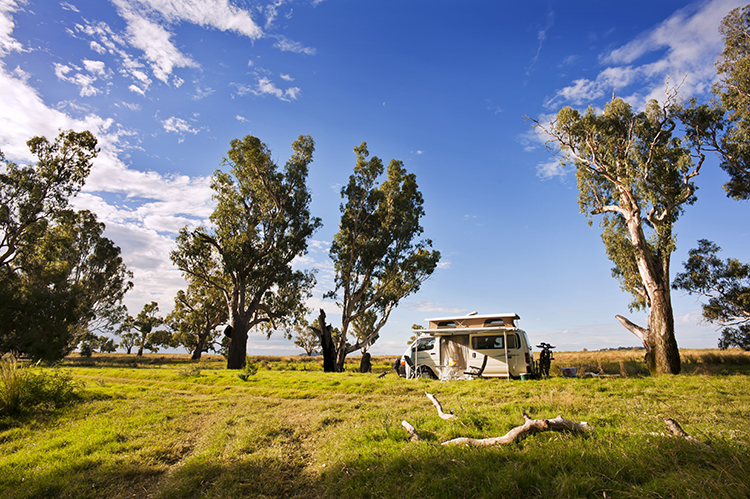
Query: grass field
x=162 y=427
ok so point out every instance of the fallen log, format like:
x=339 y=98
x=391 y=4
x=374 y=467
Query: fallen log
x=439 y=407
x=530 y=427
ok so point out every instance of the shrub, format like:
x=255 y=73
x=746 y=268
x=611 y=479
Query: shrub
x=23 y=389
x=250 y=369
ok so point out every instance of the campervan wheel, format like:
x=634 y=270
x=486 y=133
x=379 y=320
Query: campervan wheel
x=425 y=372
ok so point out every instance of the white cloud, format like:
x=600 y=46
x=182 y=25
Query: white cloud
x=551 y=169
x=178 y=126
x=95 y=67
x=688 y=43
x=154 y=40
x=219 y=14
x=67 y=6
x=97 y=48
x=286 y=77
x=142 y=210
x=241 y=119
x=7 y=42
x=148 y=21
x=266 y=87
x=286 y=45
x=428 y=306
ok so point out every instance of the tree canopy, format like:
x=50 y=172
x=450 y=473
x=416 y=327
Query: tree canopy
x=61 y=280
x=732 y=139
x=377 y=257
x=197 y=312
x=726 y=285
x=261 y=223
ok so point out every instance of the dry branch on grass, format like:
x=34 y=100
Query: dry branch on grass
x=676 y=430
x=530 y=427
x=439 y=407
x=412 y=431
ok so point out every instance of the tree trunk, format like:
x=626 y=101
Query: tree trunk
x=236 y=357
x=365 y=366
x=201 y=343
x=341 y=355
x=663 y=356
x=326 y=343
x=661 y=328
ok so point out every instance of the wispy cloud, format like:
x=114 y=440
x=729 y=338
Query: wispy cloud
x=286 y=45
x=689 y=43
x=428 y=306
x=264 y=86
x=541 y=36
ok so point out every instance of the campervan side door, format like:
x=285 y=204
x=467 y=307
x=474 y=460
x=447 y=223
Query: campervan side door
x=493 y=346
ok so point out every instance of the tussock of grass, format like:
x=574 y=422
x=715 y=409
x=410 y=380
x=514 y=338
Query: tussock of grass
x=25 y=388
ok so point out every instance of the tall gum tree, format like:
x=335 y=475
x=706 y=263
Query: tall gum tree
x=376 y=255
x=261 y=223
x=638 y=175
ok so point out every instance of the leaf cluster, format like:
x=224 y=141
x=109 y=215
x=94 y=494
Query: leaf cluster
x=732 y=139
x=726 y=285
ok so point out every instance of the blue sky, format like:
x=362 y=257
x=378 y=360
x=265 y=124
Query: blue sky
x=443 y=86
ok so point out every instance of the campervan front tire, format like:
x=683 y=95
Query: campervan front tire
x=425 y=372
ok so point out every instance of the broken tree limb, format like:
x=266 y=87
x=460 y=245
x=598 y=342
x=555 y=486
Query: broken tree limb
x=677 y=430
x=530 y=427
x=412 y=431
x=439 y=407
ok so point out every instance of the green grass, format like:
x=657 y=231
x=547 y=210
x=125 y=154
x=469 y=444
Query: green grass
x=175 y=429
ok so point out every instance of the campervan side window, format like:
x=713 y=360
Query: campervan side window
x=494 y=322
x=426 y=344
x=446 y=324
x=494 y=342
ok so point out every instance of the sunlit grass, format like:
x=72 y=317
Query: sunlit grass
x=171 y=430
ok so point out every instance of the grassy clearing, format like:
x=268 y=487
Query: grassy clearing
x=174 y=429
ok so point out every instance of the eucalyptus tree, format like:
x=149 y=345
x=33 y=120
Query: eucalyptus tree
x=637 y=174
x=726 y=286
x=147 y=326
x=196 y=315
x=261 y=223
x=306 y=339
x=376 y=255
x=61 y=280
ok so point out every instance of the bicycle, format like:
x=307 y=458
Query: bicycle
x=545 y=359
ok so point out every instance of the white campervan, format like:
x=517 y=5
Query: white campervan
x=468 y=346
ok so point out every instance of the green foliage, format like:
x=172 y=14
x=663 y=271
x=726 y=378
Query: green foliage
x=59 y=277
x=22 y=389
x=250 y=369
x=146 y=325
x=261 y=223
x=196 y=315
x=734 y=90
x=726 y=285
x=306 y=339
x=375 y=254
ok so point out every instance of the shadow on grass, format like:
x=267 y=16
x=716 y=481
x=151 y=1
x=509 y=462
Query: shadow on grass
x=549 y=466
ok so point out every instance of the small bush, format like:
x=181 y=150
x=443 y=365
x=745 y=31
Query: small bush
x=192 y=371
x=250 y=369
x=23 y=389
